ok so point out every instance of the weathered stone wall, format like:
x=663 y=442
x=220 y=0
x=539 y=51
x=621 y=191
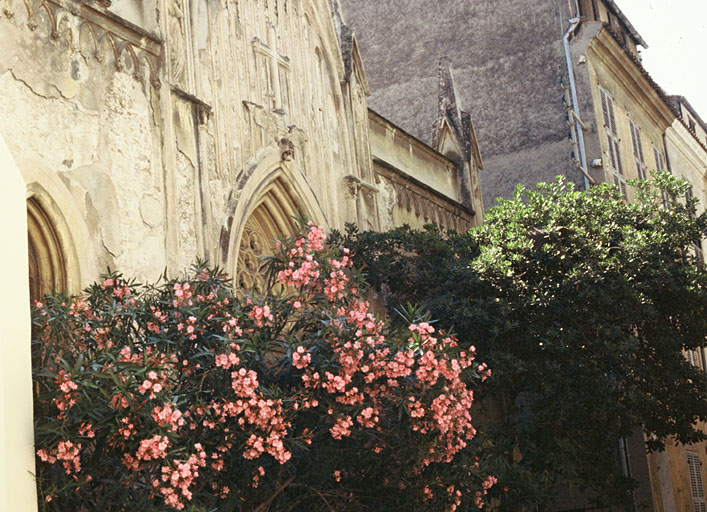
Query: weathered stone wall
x=169 y=121
x=508 y=61
x=66 y=115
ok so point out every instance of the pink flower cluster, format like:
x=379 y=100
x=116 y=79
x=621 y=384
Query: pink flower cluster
x=169 y=416
x=68 y=391
x=153 y=448
x=486 y=485
x=301 y=358
x=261 y=315
x=176 y=481
x=67 y=452
x=182 y=294
x=226 y=361
x=342 y=427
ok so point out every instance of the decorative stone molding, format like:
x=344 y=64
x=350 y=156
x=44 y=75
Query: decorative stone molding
x=177 y=49
x=424 y=203
x=287 y=149
x=355 y=185
x=95 y=32
x=203 y=110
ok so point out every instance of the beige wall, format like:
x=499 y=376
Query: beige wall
x=634 y=100
x=17 y=489
x=688 y=160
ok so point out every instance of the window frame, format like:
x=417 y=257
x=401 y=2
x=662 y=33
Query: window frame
x=637 y=145
x=613 y=141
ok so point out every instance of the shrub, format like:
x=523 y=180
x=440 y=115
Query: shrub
x=186 y=395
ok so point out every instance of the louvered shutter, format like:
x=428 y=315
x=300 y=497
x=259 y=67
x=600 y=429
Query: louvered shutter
x=634 y=137
x=694 y=466
x=620 y=166
x=659 y=159
x=605 y=108
x=637 y=150
x=612 y=152
x=612 y=115
x=612 y=138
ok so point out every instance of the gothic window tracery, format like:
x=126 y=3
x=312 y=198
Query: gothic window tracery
x=272 y=218
x=254 y=247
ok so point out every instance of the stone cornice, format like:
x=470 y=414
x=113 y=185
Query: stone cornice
x=108 y=35
x=375 y=117
x=634 y=78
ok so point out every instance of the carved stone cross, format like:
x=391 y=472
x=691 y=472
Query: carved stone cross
x=274 y=69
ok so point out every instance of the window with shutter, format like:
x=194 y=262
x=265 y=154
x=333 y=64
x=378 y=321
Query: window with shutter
x=612 y=139
x=694 y=466
x=659 y=159
x=637 y=150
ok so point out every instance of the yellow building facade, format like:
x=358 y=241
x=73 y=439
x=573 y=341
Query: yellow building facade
x=629 y=127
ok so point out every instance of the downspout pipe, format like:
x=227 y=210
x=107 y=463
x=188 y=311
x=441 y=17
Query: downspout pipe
x=574 y=22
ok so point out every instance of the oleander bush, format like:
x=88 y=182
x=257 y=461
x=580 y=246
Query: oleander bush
x=187 y=395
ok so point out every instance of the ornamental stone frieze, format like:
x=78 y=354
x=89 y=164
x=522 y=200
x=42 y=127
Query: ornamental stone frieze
x=424 y=204
x=85 y=26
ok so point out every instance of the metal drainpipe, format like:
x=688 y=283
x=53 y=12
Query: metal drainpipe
x=574 y=22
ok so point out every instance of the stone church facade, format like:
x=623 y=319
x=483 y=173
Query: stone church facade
x=141 y=135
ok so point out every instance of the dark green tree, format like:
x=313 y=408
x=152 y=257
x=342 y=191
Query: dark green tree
x=584 y=306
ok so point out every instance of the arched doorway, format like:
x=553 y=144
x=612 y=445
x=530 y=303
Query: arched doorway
x=273 y=216
x=47 y=260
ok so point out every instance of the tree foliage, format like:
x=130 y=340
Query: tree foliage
x=184 y=395
x=584 y=305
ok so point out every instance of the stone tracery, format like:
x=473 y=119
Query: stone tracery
x=273 y=217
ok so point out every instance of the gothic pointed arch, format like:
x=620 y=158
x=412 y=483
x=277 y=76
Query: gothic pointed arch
x=273 y=217
x=47 y=257
x=60 y=246
x=274 y=195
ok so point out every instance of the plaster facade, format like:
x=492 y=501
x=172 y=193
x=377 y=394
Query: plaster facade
x=557 y=88
x=151 y=133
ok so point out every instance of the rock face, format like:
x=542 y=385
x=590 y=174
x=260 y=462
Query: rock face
x=508 y=62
